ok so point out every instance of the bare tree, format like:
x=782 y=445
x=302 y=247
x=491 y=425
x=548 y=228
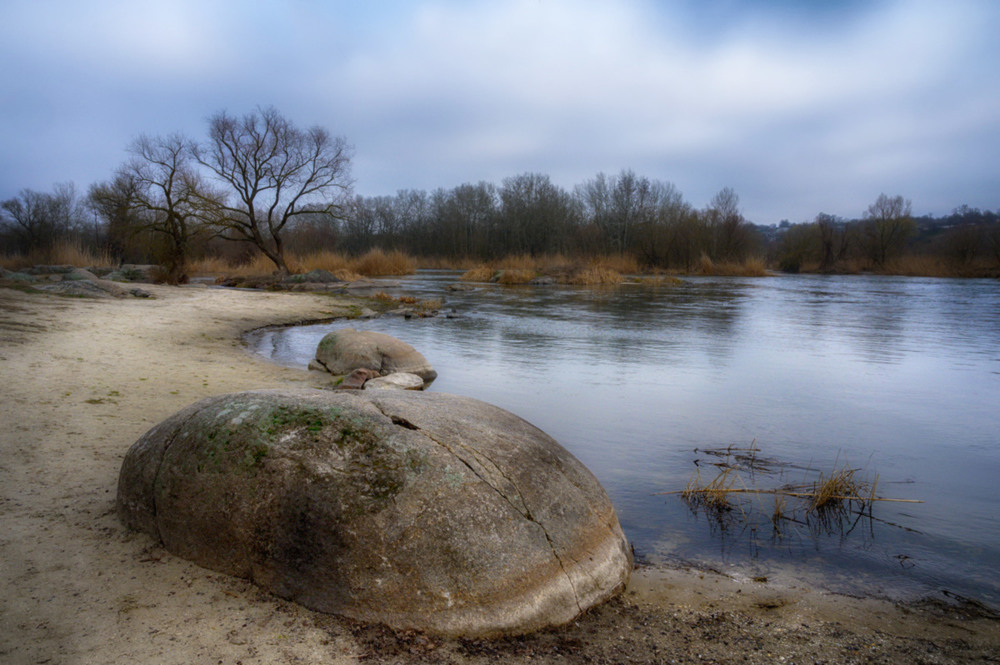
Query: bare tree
x=273 y=172
x=37 y=220
x=888 y=224
x=834 y=238
x=730 y=234
x=164 y=193
x=535 y=217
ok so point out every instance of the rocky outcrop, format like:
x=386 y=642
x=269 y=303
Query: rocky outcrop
x=70 y=281
x=418 y=510
x=342 y=351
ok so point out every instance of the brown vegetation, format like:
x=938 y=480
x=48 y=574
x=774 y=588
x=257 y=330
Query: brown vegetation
x=595 y=275
x=522 y=268
x=375 y=263
x=822 y=505
x=751 y=267
x=61 y=253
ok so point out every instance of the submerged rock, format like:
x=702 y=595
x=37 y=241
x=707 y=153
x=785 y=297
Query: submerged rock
x=420 y=510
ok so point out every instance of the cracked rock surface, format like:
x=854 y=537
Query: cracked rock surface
x=418 y=510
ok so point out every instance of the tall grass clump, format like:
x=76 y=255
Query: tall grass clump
x=596 y=275
x=750 y=267
x=623 y=264
x=214 y=266
x=61 y=253
x=377 y=262
x=478 y=274
x=515 y=276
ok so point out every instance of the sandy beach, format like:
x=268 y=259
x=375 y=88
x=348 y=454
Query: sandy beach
x=83 y=378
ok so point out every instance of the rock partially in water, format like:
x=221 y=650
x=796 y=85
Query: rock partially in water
x=342 y=351
x=420 y=510
x=397 y=381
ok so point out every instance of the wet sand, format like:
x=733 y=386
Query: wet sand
x=82 y=379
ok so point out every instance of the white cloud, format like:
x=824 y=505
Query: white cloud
x=439 y=93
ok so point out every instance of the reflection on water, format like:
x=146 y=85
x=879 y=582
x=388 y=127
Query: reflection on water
x=899 y=376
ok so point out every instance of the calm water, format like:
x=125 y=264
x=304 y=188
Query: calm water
x=898 y=377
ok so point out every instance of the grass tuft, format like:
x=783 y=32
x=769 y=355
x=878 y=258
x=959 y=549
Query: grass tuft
x=596 y=275
x=377 y=262
x=825 y=505
x=478 y=274
x=63 y=253
x=514 y=276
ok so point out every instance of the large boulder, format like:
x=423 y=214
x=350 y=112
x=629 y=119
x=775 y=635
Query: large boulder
x=419 y=510
x=345 y=350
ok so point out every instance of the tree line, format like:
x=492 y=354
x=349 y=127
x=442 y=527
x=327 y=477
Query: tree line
x=259 y=184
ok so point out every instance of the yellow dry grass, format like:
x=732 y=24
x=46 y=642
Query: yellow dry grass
x=478 y=274
x=373 y=263
x=623 y=264
x=514 y=276
x=64 y=253
x=751 y=267
x=213 y=266
x=596 y=275
x=377 y=262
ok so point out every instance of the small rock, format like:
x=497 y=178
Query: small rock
x=18 y=276
x=396 y=381
x=357 y=379
x=80 y=274
x=138 y=272
x=542 y=281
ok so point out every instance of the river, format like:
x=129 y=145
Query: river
x=897 y=378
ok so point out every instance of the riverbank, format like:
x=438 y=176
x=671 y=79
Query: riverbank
x=83 y=379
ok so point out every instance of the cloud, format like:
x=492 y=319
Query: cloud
x=799 y=107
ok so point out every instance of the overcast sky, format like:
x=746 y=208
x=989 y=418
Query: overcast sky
x=800 y=107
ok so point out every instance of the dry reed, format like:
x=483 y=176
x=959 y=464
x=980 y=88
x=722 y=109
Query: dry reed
x=478 y=274
x=515 y=276
x=62 y=253
x=377 y=262
x=751 y=267
x=595 y=275
x=820 y=505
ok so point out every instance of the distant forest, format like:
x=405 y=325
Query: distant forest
x=259 y=185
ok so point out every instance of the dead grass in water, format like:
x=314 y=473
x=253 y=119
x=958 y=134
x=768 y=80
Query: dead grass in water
x=826 y=504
